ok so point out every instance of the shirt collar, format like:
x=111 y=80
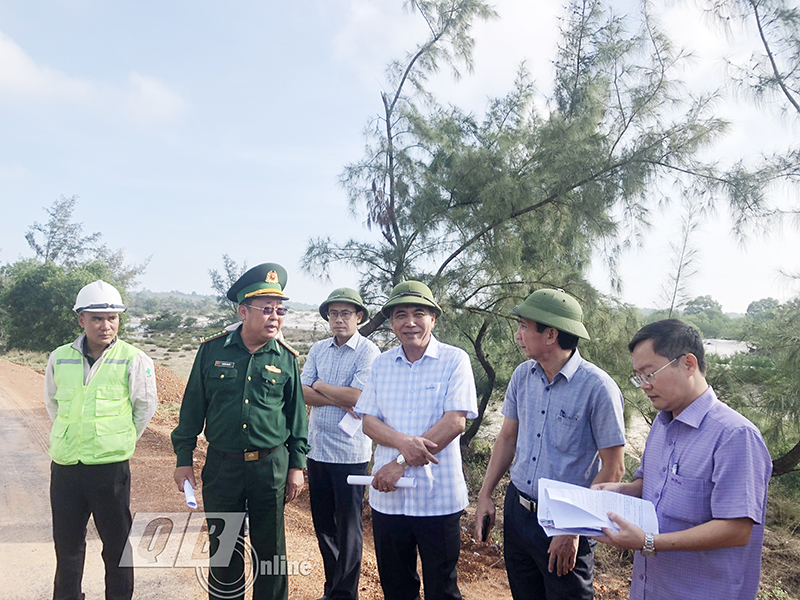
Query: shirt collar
x=694 y=414
x=568 y=370
x=235 y=337
x=351 y=343
x=432 y=351
x=80 y=344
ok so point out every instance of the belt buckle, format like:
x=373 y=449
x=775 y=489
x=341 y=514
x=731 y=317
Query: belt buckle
x=251 y=456
x=528 y=505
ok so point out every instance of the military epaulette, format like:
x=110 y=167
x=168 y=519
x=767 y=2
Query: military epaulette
x=213 y=336
x=288 y=347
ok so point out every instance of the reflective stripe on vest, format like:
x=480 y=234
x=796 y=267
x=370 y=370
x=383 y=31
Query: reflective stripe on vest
x=94 y=424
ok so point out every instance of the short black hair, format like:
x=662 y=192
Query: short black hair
x=671 y=338
x=566 y=341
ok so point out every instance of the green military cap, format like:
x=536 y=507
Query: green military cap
x=554 y=308
x=410 y=292
x=267 y=279
x=343 y=294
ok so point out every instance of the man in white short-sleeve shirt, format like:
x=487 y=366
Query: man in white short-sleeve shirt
x=415 y=408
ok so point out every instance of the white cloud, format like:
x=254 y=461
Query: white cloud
x=144 y=100
x=148 y=100
x=22 y=78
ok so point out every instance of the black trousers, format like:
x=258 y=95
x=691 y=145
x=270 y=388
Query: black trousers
x=336 y=508
x=103 y=491
x=397 y=539
x=234 y=485
x=525 y=549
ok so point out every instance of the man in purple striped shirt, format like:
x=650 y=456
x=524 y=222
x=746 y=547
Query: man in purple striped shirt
x=705 y=468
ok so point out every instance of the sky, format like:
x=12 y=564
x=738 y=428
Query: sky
x=190 y=130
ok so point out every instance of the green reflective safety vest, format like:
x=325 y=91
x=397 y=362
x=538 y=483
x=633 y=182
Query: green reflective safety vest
x=94 y=424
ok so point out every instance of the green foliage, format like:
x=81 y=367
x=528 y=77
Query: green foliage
x=38 y=300
x=222 y=282
x=61 y=241
x=488 y=210
x=163 y=320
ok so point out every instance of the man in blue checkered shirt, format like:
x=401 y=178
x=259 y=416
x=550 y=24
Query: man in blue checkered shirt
x=335 y=372
x=415 y=408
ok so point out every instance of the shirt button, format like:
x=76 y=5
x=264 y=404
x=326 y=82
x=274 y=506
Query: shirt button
x=247 y=400
x=542 y=412
x=244 y=426
x=249 y=378
x=222 y=376
x=534 y=459
x=273 y=381
x=664 y=470
x=538 y=435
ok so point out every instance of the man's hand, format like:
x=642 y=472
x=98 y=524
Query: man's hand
x=484 y=507
x=563 y=551
x=629 y=536
x=387 y=476
x=295 y=481
x=416 y=451
x=182 y=474
x=609 y=487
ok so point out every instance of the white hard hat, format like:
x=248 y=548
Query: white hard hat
x=99 y=296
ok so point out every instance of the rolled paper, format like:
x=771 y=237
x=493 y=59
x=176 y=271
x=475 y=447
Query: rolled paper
x=403 y=482
x=188 y=491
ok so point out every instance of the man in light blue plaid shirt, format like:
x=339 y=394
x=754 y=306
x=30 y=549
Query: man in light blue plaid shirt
x=415 y=408
x=335 y=372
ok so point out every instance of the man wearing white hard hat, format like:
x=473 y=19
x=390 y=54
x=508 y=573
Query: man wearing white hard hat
x=100 y=393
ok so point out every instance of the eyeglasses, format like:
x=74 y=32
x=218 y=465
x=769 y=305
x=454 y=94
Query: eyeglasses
x=640 y=380
x=345 y=314
x=268 y=310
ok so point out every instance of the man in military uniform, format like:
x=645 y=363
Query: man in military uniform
x=245 y=390
x=100 y=393
x=335 y=372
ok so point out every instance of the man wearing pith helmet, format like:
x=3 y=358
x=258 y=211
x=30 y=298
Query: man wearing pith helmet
x=335 y=372
x=244 y=393
x=563 y=420
x=100 y=393
x=415 y=408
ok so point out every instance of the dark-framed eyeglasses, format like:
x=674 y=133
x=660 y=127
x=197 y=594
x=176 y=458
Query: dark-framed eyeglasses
x=648 y=378
x=268 y=310
x=345 y=314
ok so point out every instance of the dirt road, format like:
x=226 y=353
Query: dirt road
x=26 y=549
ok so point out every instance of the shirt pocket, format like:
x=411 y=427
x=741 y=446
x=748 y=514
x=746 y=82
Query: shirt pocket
x=109 y=400
x=686 y=499
x=430 y=400
x=274 y=383
x=567 y=431
x=220 y=377
x=63 y=399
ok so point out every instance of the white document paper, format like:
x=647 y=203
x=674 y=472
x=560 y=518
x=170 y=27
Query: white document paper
x=349 y=424
x=403 y=482
x=188 y=491
x=566 y=509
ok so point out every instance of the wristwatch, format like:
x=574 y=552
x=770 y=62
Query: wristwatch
x=649 y=548
x=401 y=460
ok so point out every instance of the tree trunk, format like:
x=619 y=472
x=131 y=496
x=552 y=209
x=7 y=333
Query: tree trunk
x=491 y=376
x=786 y=463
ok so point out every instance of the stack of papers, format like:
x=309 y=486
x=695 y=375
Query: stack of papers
x=566 y=509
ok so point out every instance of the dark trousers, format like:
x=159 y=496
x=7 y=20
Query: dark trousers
x=233 y=485
x=336 y=508
x=397 y=539
x=103 y=491
x=525 y=549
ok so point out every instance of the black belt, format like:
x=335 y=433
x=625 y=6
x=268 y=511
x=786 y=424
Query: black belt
x=527 y=503
x=251 y=456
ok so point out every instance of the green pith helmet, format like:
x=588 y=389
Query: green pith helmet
x=266 y=279
x=343 y=295
x=554 y=308
x=410 y=292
